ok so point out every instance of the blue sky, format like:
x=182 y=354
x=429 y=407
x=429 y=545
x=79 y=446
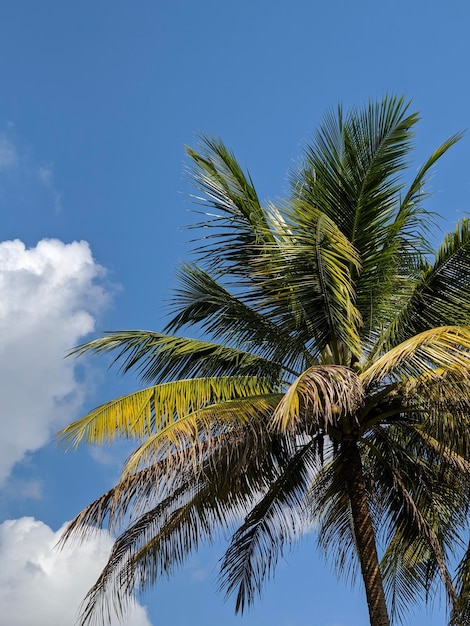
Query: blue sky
x=97 y=101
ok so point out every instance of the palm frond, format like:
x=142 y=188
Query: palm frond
x=461 y=613
x=202 y=301
x=306 y=279
x=158 y=409
x=440 y=296
x=185 y=442
x=422 y=512
x=440 y=405
x=331 y=513
x=161 y=538
x=321 y=398
x=235 y=220
x=274 y=521
x=157 y=357
x=446 y=348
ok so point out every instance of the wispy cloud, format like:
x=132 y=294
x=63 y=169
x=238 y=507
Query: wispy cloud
x=22 y=175
x=45 y=175
x=8 y=154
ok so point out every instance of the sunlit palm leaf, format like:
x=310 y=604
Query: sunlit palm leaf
x=159 y=408
x=446 y=347
x=185 y=440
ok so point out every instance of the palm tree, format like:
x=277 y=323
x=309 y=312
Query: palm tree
x=324 y=387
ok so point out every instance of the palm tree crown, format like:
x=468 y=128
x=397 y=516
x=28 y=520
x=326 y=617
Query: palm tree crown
x=325 y=385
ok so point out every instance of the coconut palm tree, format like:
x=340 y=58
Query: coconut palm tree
x=324 y=385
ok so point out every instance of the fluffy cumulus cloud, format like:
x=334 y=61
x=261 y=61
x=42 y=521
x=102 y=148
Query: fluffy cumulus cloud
x=50 y=296
x=43 y=586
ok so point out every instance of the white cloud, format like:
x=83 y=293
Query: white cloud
x=50 y=296
x=19 y=488
x=41 y=585
x=45 y=174
x=8 y=154
x=25 y=181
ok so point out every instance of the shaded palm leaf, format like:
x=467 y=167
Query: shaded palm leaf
x=274 y=521
x=441 y=294
x=202 y=301
x=158 y=358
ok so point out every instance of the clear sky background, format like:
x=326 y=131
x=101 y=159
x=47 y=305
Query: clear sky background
x=97 y=101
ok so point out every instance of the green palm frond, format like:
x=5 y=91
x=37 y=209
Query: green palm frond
x=306 y=280
x=440 y=296
x=201 y=300
x=235 y=218
x=157 y=357
x=461 y=613
x=352 y=174
x=422 y=512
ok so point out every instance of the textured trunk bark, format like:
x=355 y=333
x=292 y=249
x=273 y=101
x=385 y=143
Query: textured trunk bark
x=364 y=536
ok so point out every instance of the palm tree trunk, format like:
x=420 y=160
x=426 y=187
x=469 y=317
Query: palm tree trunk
x=364 y=535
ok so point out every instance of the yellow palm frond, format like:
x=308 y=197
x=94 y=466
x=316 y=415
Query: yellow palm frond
x=145 y=412
x=446 y=348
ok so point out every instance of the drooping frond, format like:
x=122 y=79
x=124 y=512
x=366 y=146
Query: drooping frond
x=331 y=512
x=461 y=613
x=185 y=441
x=274 y=521
x=162 y=537
x=132 y=496
x=421 y=501
x=324 y=397
x=306 y=279
x=440 y=403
